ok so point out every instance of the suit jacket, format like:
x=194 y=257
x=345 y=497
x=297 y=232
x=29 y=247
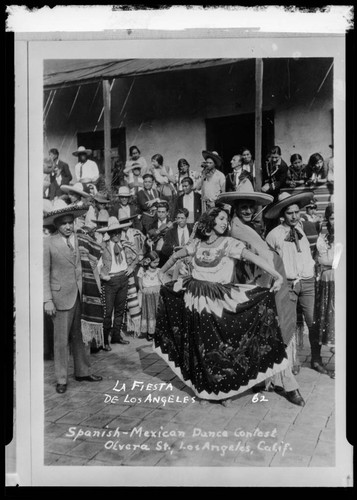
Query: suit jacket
x=62 y=272
x=171 y=241
x=143 y=198
x=230 y=180
x=197 y=205
x=275 y=176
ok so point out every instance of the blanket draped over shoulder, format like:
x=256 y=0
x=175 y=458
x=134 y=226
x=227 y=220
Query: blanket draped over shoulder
x=92 y=307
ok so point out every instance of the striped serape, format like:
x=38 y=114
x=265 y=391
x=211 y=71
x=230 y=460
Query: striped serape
x=92 y=307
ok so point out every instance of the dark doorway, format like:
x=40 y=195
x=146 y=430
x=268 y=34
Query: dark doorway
x=229 y=134
x=95 y=142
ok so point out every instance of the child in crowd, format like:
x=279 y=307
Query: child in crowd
x=149 y=285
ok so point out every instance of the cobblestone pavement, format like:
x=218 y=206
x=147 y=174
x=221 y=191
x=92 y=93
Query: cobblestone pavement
x=107 y=423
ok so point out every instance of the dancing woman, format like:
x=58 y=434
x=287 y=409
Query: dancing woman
x=218 y=337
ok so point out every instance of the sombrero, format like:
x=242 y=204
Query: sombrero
x=246 y=193
x=76 y=188
x=124 y=191
x=123 y=220
x=75 y=210
x=214 y=156
x=286 y=199
x=82 y=150
x=131 y=167
x=103 y=217
x=100 y=198
x=113 y=225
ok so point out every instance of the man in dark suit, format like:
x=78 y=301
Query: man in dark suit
x=189 y=200
x=239 y=175
x=177 y=236
x=274 y=173
x=147 y=198
x=63 y=166
x=62 y=289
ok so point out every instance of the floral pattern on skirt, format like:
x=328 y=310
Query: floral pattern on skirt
x=219 y=351
x=325 y=307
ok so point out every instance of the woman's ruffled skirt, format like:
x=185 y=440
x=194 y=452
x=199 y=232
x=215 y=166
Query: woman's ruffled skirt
x=219 y=339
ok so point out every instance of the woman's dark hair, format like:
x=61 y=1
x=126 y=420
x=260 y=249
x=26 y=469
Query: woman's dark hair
x=131 y=149
x=275 y=150
x=159 y=158
x=314 y=159
x=207 y=222
x=330 y=229
x=149 y=257
x=245 y=149
x=295 y=157
x=182 y=161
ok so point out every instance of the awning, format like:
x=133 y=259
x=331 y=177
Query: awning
x=61 y=73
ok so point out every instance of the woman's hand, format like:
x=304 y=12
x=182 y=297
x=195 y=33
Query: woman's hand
x=277 y=284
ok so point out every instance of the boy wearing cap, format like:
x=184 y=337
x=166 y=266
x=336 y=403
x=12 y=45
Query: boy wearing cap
x=290 y=241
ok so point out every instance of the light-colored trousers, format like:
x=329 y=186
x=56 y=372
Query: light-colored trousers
x=286 y=378
x=67 y=328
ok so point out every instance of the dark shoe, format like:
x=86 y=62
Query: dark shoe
x=319 y=368
x=89 y=378
x=119 y=340
x=107 y=347
x=295 y=397
x=149 y=337
x=123 y=341
x=61 y=388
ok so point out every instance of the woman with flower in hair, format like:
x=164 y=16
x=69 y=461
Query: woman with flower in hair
x=325 y=283
x=218 y=337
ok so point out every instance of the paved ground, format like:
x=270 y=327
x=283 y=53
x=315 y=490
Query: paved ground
x=96 y=424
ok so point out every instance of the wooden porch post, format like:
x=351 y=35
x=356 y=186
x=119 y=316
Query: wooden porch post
x=258 y=122
x=107 y=134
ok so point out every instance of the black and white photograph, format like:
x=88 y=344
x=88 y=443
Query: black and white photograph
x=180 y=242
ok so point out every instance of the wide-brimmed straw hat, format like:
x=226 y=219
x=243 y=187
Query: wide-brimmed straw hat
x=74 y=210
x=286 y=199
x=124 y=191
x=103 y=218
x=113 y=225
x=76 y=188
x=82 y=150
x=131 y=167
x=245 y=193
x=127 y=219
x=214 y=156
x=101 y=198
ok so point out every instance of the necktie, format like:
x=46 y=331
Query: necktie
x=294 y=236
x=70 y=246
x=81 y=171
x=117 y=253
x=182 y=241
